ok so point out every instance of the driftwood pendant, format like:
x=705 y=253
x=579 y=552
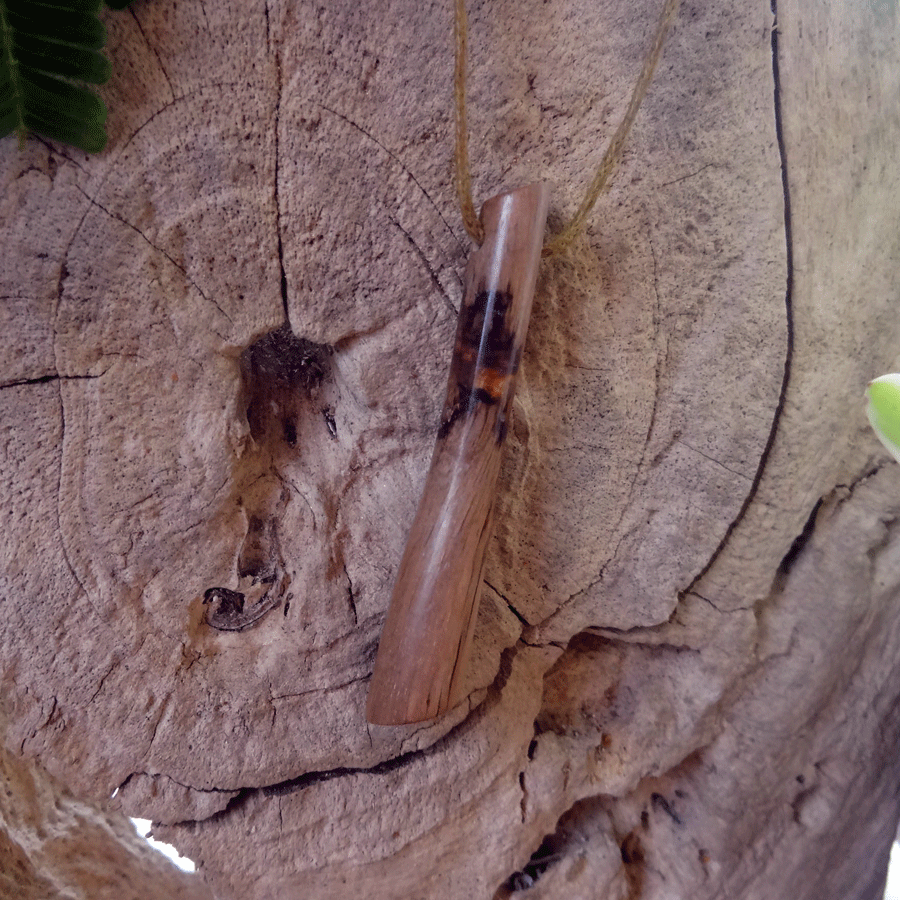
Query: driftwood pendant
x=419 y=669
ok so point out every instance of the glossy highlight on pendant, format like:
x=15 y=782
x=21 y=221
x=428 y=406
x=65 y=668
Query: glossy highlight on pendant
x=422 y=656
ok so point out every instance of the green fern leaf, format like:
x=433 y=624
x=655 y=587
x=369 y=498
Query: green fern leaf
x=48 y=52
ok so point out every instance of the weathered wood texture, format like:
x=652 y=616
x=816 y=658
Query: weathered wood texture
x=55 y=846
x=423 y=652
x=685 y=663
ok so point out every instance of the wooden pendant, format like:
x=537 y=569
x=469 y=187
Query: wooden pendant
x=419 y=669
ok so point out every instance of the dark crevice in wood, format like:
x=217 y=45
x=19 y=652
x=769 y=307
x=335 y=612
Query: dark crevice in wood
x=277 y=369
x=660 y=802
x=800 y=541
x=869 y=473
x=277 y=127
x=277 y=176
x=540 y=861
x=788 y=309
x=351 y=597
x=591 y=814
x=281 y=374
x=633 y=860
x=308 y=779
x=226 y=608
x=510 y=607
x=46 y=379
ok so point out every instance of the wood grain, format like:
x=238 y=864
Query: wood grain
x=759 y=706
x=425 y=644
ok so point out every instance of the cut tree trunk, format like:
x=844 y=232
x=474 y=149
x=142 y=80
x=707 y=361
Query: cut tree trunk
x=223 y=360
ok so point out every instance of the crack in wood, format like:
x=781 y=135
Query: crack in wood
x=154 y=51
x=427 y=265
x=350 y=595
x=283 y=274
x=800 y=541
x=301 y=782
x=788 y=311
x=47 y=379
x=510 y=607
x=404 y=168
x=309 y=779
x=318 y=690
x=686 y=177
x=538 y=863
x=156 y=247
x=713 y=460
x=181 y=784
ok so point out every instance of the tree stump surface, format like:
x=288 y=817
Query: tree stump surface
x=223 y=358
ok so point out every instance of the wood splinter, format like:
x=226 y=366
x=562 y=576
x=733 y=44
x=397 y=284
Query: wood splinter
x=420 y=667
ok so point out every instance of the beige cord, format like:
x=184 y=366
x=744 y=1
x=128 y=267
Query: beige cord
x=562 y=241
x=463 y=174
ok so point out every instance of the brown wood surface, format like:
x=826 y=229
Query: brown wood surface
x=55 y=845
x=420 y=668
x=685 y=669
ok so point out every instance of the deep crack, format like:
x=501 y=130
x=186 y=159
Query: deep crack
x=788 y=310
x=308 y=779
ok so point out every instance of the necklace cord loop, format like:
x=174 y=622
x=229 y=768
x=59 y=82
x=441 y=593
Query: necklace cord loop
x=558 y=244
x=462 y=172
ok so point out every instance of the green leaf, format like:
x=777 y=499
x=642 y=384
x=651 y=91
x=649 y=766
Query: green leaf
x=46 y=94
x=90 y=137
x=883 y=411
x=8 y=121
x=80 y=29
x=74 y=62
x=48 y=51
x=90 y=6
